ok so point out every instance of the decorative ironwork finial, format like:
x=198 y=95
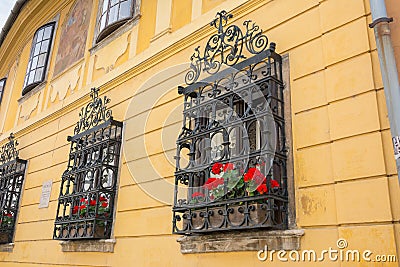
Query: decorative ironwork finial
x=9 y=152
x=94 y=113
x=225 y=47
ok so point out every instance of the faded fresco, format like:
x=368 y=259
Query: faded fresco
x=73 y=35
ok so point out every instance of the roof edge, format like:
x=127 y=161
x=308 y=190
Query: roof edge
x=19 y=4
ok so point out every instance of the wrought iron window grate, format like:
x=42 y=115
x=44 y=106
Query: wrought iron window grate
x=12 y=172
x=231 y=155
x=88 y=185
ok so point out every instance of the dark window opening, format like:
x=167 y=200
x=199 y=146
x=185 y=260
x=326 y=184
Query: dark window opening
x=89 y=184
x=2 y=87
x=39 y=57
x=12 y=172
x=114 y=13
x=231 y=157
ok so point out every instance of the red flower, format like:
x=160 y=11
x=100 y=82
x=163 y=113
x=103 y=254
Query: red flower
x=197 y=194
x=228 y=167
x=262 y=188
x=75 y=210
x=213 y=183
x=274 y=184
x=104 y=204
x=103 y=198
x=83 y=200
x=255 y=175
x=92 y=202
x=82 y=207
x=216 y=168
x=9 y=215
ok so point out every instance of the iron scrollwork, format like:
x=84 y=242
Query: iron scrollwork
x=94 y=113
x=88 y=185
x=226 y=47
x=231 y=155
x=12 y=172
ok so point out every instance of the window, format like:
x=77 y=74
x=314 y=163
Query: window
x=231 y=155
x=39 y=57
x=113 y=14
x=12 y=172
x=88 y=185
x=2 y=87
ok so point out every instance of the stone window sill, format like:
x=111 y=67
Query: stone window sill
x=241 y=241
x=102 y=245
x=7 y=247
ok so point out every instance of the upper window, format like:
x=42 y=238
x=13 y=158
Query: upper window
x=113 y=14
x=231 y=154
x=12 y=172
x=39 y=57
x=88 y=185
x=2 y=86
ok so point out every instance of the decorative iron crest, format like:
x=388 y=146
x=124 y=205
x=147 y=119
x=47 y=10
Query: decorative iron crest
x=9 y=152
x=226 y=47
x=95 y=112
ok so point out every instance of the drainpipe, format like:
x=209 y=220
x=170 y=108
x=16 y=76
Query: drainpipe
x=380 y=23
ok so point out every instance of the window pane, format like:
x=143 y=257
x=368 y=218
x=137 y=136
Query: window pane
x=45 y=45
x=37 y=49
x=105 y=5
x=31 y=76
x=29 y=65
x=113 y=2
x=40 y=35
x=38 y=76
x=47 y=32
x=34 y=62
x=103 y=22
x=113 y=17
x=42 y=60
x=125 y=10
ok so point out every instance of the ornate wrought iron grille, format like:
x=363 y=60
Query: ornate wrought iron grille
x=88 y=186
x=12 y=172
x=231 y=155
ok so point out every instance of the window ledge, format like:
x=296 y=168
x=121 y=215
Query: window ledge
x=125 y=27
x=102 y=245
x=241 y=241
x=40 y=86
x=7 y=247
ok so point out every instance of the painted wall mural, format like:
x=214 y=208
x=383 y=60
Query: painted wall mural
x=73 y=36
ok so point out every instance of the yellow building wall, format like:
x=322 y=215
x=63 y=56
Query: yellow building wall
x=345 y=176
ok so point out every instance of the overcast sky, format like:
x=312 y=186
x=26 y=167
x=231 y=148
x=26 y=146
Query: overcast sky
x=5 y=9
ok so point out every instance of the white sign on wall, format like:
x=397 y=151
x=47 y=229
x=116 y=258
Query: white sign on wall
x=45 y=197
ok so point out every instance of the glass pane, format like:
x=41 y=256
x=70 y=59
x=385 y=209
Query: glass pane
x=113 y=2
x=29 y=65
x=38 y=76
x=103 y=22
x=45 y=46
x=34 y=62
x=47 y=32
x=40 y=35
x=1 y=84
x=31 y=76
x=42 y=60
x=105 y=5
x=125 y=10
x=37 y=49
x=113 y=16
x=26 y=81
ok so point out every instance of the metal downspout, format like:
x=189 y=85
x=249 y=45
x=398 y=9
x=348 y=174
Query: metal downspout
x=380 y=23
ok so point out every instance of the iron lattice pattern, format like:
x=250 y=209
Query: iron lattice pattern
x=231 y=155
x=12 y=172
x=88 y=186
